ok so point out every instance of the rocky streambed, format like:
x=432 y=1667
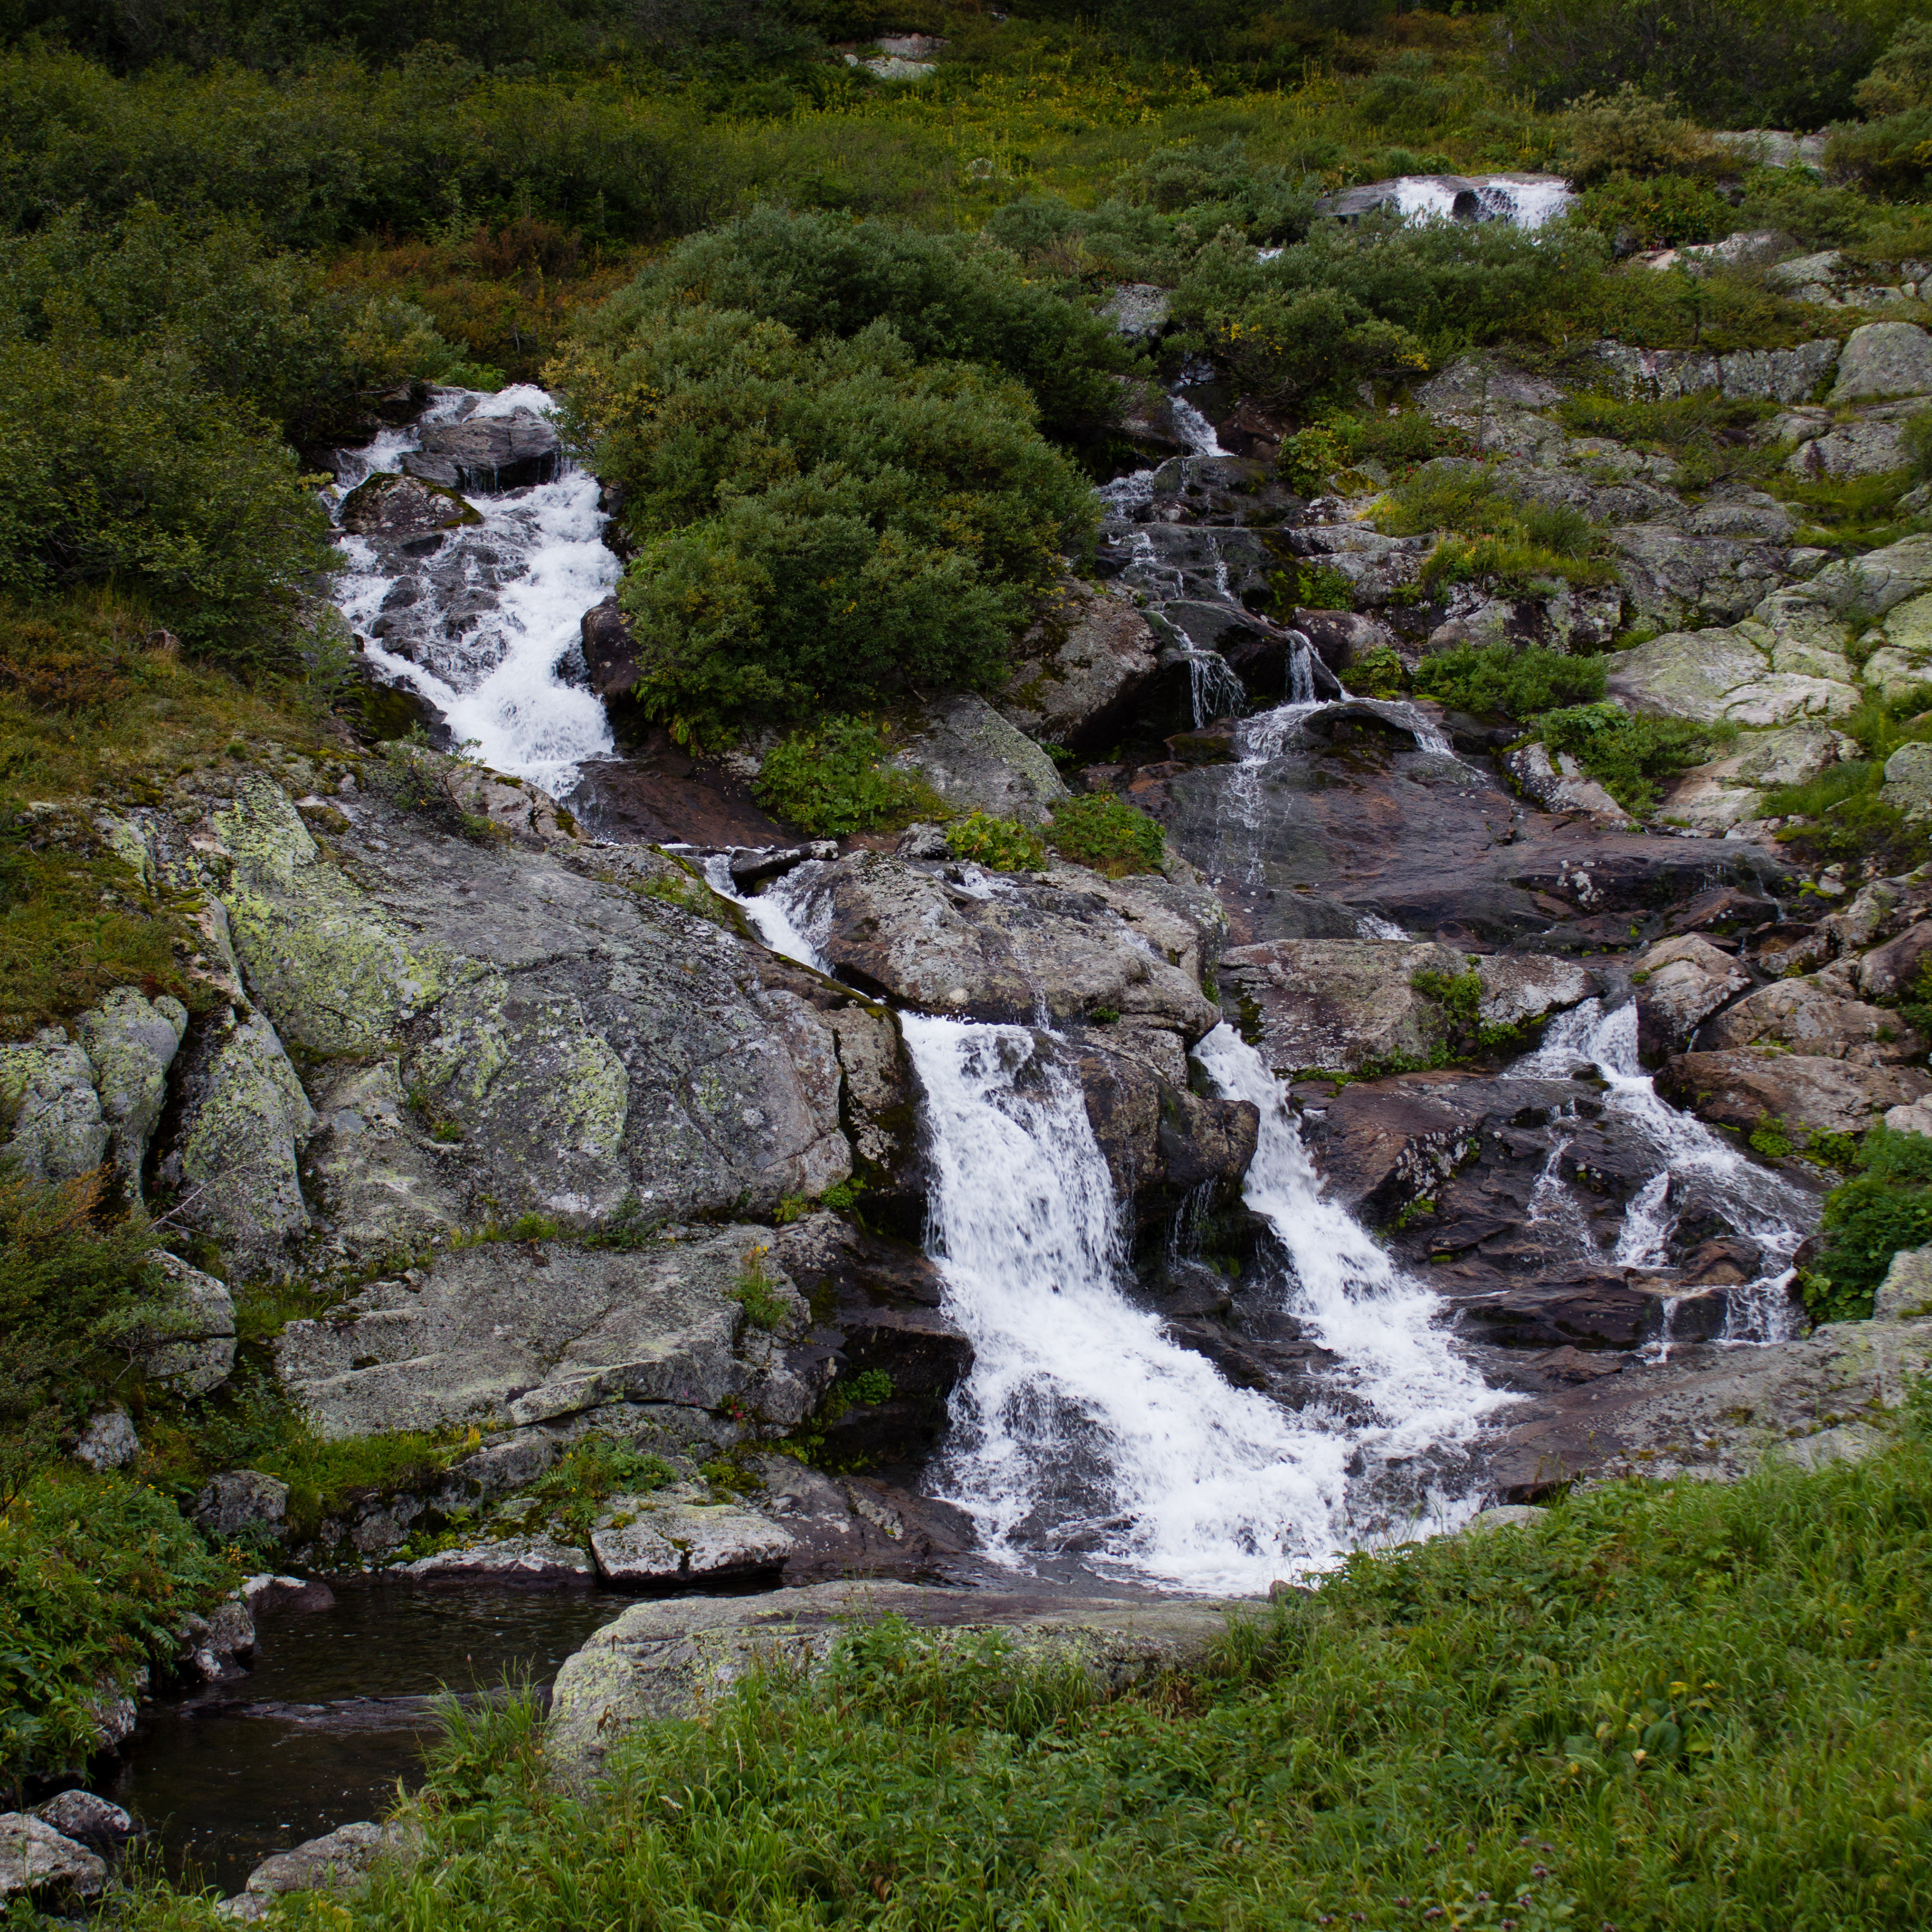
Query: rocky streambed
x=1038 y=1246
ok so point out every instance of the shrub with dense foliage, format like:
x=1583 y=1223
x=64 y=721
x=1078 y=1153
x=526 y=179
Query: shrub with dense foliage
x=1107 y=835
x=1498 y=677
x=1627 y=754
x=1887 y=1206
x=832 y=780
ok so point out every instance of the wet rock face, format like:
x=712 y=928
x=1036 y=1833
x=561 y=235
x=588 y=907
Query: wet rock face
x=487 y=454
x=401 y=510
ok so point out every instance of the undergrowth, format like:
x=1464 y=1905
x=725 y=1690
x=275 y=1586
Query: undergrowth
x=1885 y=1208
x=1106 y=834
x=1486 y=678
x=831 y=781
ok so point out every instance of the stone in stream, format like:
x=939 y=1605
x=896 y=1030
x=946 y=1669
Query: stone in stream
x=80 y=1815
x=669 y=1660
x=542 y=1560
x=403 y=509
x=37 y=1862
x=265 y=1593
x=487 y=454
x=1680 y=983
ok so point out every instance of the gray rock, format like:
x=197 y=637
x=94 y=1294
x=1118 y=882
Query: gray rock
x=1818 y=270
x=1908 y=779
x=1818 y=1093
x=108 y=1441
x=1496 y=407
x=232 y=1157
x=1882 y=358
x=1077 y=671
x=670 y=1659
x=1138 y=311
x=193 y=1347
x=927 y=842
x=1684 y=982
x=1735 y=674
x=1852 y=449
x=240 y=1500
x=498 y=1334
x=80 y=1815
x=1342 y=1004
x=526 y=1560
x=998 y=952
x=1809 y=1015
x=487 y=454
x=131 y=1042
x=1915 y=1118
x=1504 y=1516
x=336 y=1862
x=1906 y=1293
x=1774 y=147
x=47 y=1087
x=36 y=1861
x=400 y=508
x=1890 y=970
x=1673 y=577
x=1560 y=784
x=660 y=1541
x=977 y=761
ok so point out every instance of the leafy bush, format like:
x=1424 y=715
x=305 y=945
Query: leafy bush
x=80 y=1299
x=1498 y=677
x=828 y=782
x=1105 y=834
x=1000 y=844
x=1627 y=754
x=1376 y=673
x=96 y=1574
x=827 y=276
x=1631 y=134
x=1665 y=212
x=1886 y=1209
x=821 y=524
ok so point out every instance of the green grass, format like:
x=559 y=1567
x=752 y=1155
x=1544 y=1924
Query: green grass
x=1688 y=1706
x=1499 y=678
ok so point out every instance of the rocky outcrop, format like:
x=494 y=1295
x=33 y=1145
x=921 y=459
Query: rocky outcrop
x=1734 y=676
x=671 y=1659
x=131 y=1042
x=1745 y=1088
x=191 y=1344
x=610 y=652
x=1881 y=359
x=403 y=509
x=1346 y=1004
x=1810 y=1015
x=46 y=1086
x=241 y=1501
x=1680 y=983
x=977 y=761
x=487 y=454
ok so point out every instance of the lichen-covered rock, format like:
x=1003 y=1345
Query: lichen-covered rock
x=333 y=1863
x=977 y=761
x=504 y=1333
x=38 y=1860
x=1719 y=675
x=1744 y=1088
x=80 y=1815
x=47 y=1085
x=1673 y=576
x=669 y=1660
x=1906 y=1293
x=1344 y=1004
x=1681 y=983
x=108 y=1441
x=1560 y=784
x=131 y=1042
x=1908 y=779
x=1003 y=949
x=1851 y=449
x=243 y=1115
x=1809 y=1016
x=661 y=1541
x=1078 y=670
x=240 y=1500
x=192 y=1346
x=1883 y=359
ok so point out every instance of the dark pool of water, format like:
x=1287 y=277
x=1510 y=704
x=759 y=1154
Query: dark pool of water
x=336 y=1709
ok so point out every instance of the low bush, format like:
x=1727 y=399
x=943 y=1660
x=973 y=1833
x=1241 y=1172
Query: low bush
x=1665 y=212
x=1630 y=134
x=1376 y=673
x=1887 y=1207
x=1106 y=834
x=830 y=781
x=1628 y=755
x=1000 y=844
x=1498 y=677
x=96 y=1574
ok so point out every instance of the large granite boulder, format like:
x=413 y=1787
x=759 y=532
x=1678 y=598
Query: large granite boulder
x=671 y=1659
x=131 y=1042
x=673 y=1541
x=1732 y=675
x=1680 y=983
x=1883 y=359
x=37 y=1861
x=1744 y=1088
x=47 y=1090
x=403 y=509
x=191 y=1346
x=484 y=454
x=977 y=761
x=1813 y=1015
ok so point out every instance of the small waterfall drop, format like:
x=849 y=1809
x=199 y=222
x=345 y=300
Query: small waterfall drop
x=509 y=593
x=1762 y=1205
x=1084 y=1427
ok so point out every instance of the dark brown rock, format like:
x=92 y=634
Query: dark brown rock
x=609 y=657
x=399 y=508
x=1893 y=971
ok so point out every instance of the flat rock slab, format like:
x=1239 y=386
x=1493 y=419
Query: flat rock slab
x=666 y=1660
x=659 y=1542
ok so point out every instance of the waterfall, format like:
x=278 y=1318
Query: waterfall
x=1762 y=1205
x=1083 y=1426
x=511 y=590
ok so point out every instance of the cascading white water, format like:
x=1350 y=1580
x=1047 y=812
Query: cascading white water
x=1080 y=1415
x=532 y=567
x=1523 y=204
x=1761 y=1205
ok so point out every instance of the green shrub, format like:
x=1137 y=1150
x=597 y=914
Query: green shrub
x=1376 y=673
x=1628 y=755
x=829 y=781
x=1498 y=677
x=1886 y=1209
x=822 y=525
x=756 y=1293
x=1107 y=835
x=96 y=1575
x=1666 y=211
x=1000 y=844
x=1630 y=134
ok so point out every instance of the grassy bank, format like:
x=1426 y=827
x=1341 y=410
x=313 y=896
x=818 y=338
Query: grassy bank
x=1677 y=1705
